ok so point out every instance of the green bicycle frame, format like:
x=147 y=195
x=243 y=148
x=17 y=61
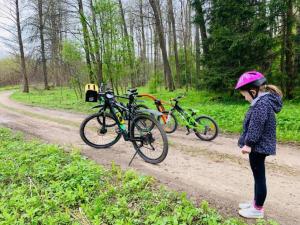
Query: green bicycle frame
x=188 y=119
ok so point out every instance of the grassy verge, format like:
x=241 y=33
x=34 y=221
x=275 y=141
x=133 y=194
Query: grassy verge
x=228 y=113
x=41 y=184
x=12 y=87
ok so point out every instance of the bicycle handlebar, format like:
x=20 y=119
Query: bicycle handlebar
x=177 y=98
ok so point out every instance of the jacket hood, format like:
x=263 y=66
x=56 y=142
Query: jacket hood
x=273 y=99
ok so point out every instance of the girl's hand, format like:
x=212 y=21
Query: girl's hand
x=246 y=149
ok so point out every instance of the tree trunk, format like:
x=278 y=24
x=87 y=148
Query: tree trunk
x=282 y=53
x=297 y=51
x=86 y=39
x=159 y=27
x=171 y=13
x=143 y=53
x=200 y=20
x=197 y=43
x=97 y=45
x=170 y=44
x=54 y=33
x=41 y=30
x=129 y=44
x=289 y=53
x=184 y=28
x=23 y=64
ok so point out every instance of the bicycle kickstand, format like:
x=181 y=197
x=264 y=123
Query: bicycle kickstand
x=132 y=158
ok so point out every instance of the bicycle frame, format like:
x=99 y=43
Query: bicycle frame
x=159 y=105
x=112 y=106
x=188 y=119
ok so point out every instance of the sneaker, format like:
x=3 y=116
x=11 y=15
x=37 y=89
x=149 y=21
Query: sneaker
x=245 y=205
x=252 y=213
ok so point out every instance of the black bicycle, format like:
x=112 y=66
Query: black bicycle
x=105 y=128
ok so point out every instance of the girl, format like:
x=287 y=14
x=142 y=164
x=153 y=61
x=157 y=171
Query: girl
x=259 y=134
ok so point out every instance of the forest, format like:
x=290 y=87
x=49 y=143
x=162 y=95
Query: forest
x=189 y=44
x=70 y=158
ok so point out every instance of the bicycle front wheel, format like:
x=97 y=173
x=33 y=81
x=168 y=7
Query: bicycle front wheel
x=97 y=130
x=153 y=143
x=206 y=128
x=168 y=122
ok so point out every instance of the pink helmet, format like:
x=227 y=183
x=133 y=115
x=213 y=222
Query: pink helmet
x=250 y=79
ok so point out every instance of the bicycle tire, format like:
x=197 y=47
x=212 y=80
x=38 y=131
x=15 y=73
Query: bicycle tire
x=215 y=128
x=173 y=128
x=86 y=139
x=141 y=107
x=138 y=145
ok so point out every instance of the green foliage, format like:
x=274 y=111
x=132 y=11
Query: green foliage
x=155 y=82
x=72 y=57
x=41 y=184
x=9 y=71
x=71 y=53
x=117 y=55
x=5 y=88
x=187 y=67
x=60 y=98
x=239 y=40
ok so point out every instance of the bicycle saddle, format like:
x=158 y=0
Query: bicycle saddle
x=132 y=90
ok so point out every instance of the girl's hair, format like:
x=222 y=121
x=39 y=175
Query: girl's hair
x=271 y=88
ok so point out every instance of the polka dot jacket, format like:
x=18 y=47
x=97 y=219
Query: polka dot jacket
x=259 y=127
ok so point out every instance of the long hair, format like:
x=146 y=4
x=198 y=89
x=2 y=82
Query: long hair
x=271 y=88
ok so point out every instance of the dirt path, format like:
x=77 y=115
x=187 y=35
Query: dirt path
x=214 y=171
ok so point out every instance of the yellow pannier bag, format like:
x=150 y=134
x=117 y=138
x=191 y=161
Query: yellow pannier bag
x=91 y=92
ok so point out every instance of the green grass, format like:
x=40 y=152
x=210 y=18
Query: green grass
x=12 y=87
x=59 y=98
x=42 y=184
x=228 y=113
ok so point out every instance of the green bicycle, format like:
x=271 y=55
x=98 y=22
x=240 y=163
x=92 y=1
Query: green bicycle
x=203 y=126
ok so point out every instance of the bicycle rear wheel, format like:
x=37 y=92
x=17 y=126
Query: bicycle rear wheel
x=153 y=146
x=97 y=134
x=206 y=129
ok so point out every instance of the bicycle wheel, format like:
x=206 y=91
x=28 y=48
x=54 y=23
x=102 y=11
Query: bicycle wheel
x=141 y=107
x=95 y=134
x=153 y=147
x=109 y=123
x=206 y=129
x=170 y=125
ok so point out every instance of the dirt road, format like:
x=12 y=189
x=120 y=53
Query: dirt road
x=214 y=171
